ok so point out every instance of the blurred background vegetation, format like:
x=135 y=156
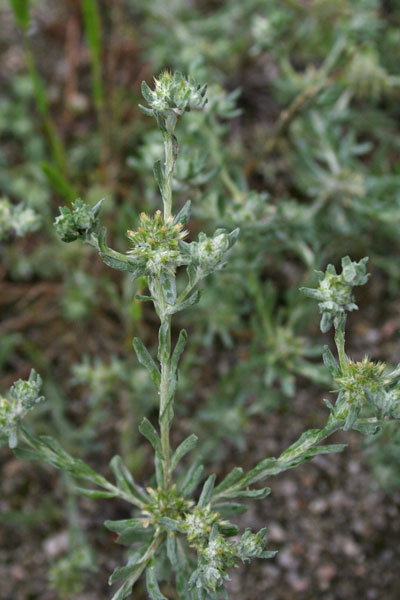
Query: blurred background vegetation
x=299 y=147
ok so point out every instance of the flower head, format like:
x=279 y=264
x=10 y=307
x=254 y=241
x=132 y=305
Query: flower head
x=155 y=244
x=173 y=92
x=209 y=253
x=78 y=222
x=334 y=293
x=22 y=397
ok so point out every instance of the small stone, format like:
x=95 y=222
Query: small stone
x=56 y=544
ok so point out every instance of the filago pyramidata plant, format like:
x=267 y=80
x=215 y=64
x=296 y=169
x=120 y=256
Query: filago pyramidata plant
x=176 y=533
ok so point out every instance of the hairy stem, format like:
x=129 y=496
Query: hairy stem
x=164 y=412
x=287 y=460
x=339 y=341
x=169 y=168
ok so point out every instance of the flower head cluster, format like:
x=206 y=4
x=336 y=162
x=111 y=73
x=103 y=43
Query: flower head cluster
x=216 y=554
x=173 y=92
x=199 y=523
x=209 y=253
x=215 y=558
x=164 y=503
x=362 y=378
x=366 y=383
x=252 y=545
x=22 y=397
x=78 y=222
x=334 y=293
x=156 y=245
x=16 y=219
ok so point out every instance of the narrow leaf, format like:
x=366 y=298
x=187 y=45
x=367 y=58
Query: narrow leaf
x=122 y=525
x=58 y=182
x=20 y=9
x=183 y=215
x=168 y=284
x=110 y=257
x=230 y=509
x=179 y=348
x=186 y=446
x=94 y=493
x=125 y=480
x=150 y=433
x=152 y=584
x=191 y=479
x=146 y=360
x=170 y=524
x=159 y=176
x=195 y=297
x=229 y=480
x=206 y=492
x=163 y=342
x=171 y=550
x=330 y=361
x=255 y=494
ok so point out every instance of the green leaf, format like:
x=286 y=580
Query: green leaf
x=110 y=257
x=229 y=480
x=305 y=441
x=94 y=493
x=158 y=463
x=150 y=433
x=168 y=284
x=146 y=111
x=255 y=494
x=146 y=360
x=58 y=182
x=92 y=26
x=191 y=479
x=92 y=23
x=206 y=493
x=147 y=93
x=183 y=215
x=193 y=299
x=330 y=361
x=170 y=524
x=186 y=446
x=123 y=525
x=152 y=584
x=233 y=236
x=172 y=550
x=159 y=176
x=163 y=342
x=352 y=416
x=20 y=9
x=228 y=530
x=133 y=535
x=123 y=592
x=326 y=449
x=179 y=348
x=230 y=509
x=125 y=480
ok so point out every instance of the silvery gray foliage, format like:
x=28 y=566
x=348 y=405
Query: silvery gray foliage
x=177 y=532
x=21 y=398
x=16 y=219
x=334 y=293
x=77 y=222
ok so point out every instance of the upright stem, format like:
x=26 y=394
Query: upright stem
x=164 y=356
x=169 y=168
x=339 y=341
x=164 y=412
